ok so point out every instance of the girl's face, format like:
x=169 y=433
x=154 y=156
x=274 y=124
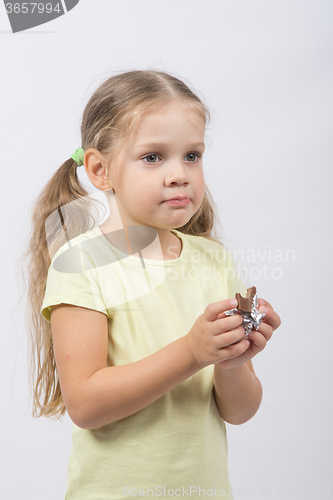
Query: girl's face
x=161 y=159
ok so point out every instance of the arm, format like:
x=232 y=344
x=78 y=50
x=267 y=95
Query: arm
x=96 y=395
x=237 y=392
x=116 y=392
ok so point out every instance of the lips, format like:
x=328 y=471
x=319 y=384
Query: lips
x=178 y=198
x=178 y=202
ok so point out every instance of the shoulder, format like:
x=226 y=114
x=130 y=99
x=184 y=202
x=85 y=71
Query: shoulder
x=79 y=240
x=79 y=253
x=74 y=246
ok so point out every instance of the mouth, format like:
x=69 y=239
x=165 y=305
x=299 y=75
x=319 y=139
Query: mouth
x=178 y=201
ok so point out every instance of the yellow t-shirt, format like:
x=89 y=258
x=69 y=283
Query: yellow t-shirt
x=176 y=446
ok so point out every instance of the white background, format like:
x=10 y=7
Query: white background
x=265 y=69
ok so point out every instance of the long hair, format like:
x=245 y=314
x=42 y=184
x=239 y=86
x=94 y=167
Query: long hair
x=108 y=118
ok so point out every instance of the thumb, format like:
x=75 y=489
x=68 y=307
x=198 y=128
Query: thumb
x=213 y=310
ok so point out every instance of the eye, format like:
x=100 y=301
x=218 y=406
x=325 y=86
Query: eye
x=150 y=157
x=192 y=158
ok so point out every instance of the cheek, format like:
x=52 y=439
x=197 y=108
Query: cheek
x=142 y=194
x=132 y=185
x=145 y=186
x=200 y=188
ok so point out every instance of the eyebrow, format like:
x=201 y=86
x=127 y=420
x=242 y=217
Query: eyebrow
x=161 y=144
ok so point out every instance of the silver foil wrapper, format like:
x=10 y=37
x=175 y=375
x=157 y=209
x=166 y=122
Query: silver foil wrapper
x=250 y=319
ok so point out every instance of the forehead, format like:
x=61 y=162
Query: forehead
x=172 y=121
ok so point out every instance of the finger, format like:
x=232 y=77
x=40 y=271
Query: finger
x=213 y=310
x=227 y=323
x=266 y=330
x=258 y=339
x=234 y=350
x=271 y=317
x=230 y=337
x=263 y=302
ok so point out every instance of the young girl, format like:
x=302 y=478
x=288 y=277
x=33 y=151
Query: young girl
x=127 y=317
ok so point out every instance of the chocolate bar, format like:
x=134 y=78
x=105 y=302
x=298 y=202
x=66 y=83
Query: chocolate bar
x=248 y=308
x=245 y=303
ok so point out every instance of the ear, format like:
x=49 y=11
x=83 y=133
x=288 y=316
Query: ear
x=95 y=166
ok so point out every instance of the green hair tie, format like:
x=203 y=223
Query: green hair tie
x=78 y=156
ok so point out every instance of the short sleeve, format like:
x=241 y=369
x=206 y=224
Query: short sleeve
x=234 y=281
x=72 y=279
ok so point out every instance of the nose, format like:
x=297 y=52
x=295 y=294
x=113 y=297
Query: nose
x=176 y=174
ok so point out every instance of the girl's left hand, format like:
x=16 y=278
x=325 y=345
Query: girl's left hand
x=258 y=338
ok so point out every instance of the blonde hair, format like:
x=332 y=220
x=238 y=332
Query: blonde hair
x=108 y=118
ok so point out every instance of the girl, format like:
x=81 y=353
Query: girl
x=127 y=317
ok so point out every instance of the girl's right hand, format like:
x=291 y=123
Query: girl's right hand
x=212 y=337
